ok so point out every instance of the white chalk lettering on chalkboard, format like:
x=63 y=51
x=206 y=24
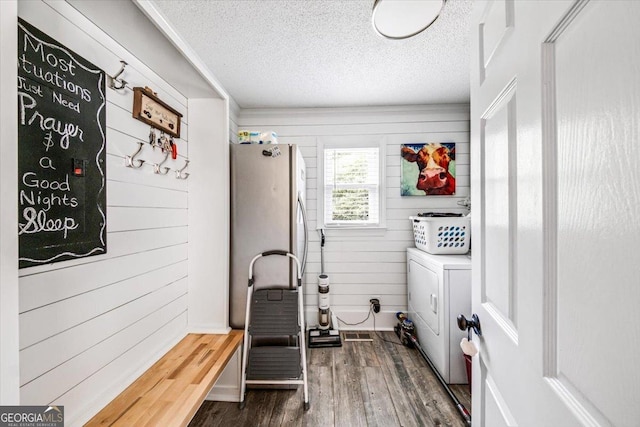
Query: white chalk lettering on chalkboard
x=65 y=130
x=28 y=86
x=37 y=221
x=46 y=163
x=75 y=106
x=61 y=123
x=47 y=200
x=48 y=141
x=54 y=61
x=30 y=179
x=53 y=78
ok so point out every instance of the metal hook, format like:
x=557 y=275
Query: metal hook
x=113 y=80
x=128 y=160
x=156 y=166
x=179 y=174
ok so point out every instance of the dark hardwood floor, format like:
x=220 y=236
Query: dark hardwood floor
x=375 y=383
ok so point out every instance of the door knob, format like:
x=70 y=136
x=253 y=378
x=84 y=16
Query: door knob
x=466 y=324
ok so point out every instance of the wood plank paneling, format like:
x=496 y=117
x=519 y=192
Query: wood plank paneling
x=136 y=195
x=95 y=358
x=366 y=263
x=129 y=365
x=360 y=115
x=42 y=289
x=43 y=323
x=88 y=325
x=439 y=127
x=392 y=300
x=124 y=218
x=88 y=332
x=146 y=175
x=76 y=32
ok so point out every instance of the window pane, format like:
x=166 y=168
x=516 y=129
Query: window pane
x=351 y=178
x=350 y=168
x=350 y=205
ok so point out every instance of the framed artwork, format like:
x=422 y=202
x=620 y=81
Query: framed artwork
x=428 y=169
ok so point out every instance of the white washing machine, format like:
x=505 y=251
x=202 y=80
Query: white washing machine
x=439 y=288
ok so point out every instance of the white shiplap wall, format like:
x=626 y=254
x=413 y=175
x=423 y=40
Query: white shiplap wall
x=87 y=326
x=368 y=263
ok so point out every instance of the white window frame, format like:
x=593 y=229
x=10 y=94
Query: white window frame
x=370 y=141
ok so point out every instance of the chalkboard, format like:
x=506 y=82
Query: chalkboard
x=61 y=152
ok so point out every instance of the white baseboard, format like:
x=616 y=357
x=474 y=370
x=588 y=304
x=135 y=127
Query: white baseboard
x=384 y=321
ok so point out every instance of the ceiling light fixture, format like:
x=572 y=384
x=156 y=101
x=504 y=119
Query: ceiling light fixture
x=401 y=19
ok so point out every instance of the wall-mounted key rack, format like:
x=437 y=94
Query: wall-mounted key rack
x=167 y=145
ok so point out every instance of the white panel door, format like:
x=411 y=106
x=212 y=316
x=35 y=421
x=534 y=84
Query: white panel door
x=555 y=145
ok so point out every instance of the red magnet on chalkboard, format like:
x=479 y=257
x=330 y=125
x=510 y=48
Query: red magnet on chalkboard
x=79 y=167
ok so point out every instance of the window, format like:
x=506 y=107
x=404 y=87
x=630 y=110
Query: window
x=352 y=191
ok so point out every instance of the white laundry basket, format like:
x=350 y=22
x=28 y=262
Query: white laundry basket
x=442 y=235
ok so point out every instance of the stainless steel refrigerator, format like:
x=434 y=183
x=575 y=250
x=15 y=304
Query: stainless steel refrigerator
x=267 y=212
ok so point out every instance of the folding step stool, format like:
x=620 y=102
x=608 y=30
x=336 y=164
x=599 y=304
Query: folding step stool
x=274 y=313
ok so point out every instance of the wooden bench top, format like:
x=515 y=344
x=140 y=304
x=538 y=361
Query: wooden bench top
x=171 y=391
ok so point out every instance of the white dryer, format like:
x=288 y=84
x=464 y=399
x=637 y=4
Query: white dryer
x=439 y=288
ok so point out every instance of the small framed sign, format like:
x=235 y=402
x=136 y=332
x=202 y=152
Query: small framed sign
x=148 y=108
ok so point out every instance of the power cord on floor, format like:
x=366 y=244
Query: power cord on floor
x=380 y=336
x=374 y=325
x=359 y=323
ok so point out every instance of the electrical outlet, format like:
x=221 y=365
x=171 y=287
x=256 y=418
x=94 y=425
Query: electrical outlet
x=375 y=303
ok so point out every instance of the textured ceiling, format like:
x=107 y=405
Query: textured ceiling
x=307 y=53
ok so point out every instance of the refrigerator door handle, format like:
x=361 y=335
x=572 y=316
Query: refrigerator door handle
x=306 y=233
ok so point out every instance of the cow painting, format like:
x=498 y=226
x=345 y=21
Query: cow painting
x=428 y=169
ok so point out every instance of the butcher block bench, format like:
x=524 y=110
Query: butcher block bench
x=170 y=392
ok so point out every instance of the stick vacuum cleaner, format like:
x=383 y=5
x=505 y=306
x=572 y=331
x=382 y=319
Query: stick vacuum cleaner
x=407 y=333
x=327 y=333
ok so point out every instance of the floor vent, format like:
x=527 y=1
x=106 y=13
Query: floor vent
x=357 y=336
